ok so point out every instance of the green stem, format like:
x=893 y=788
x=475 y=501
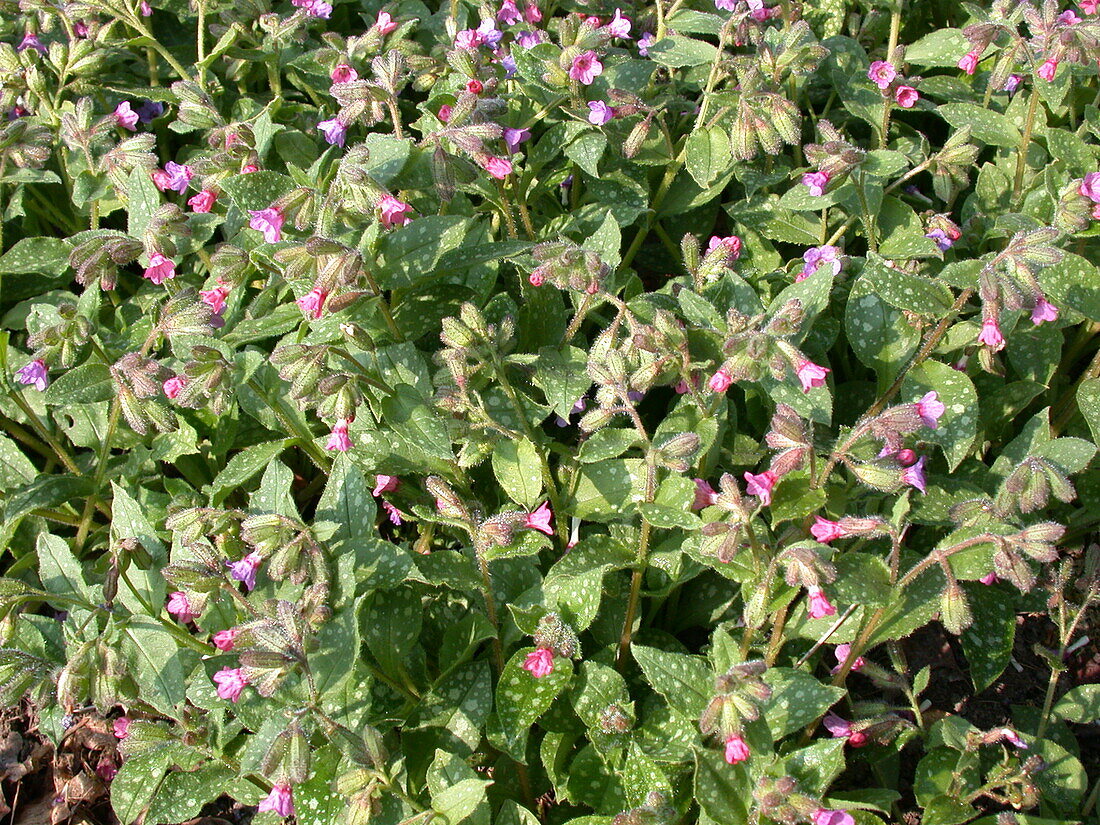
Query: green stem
x=292 y=426
x=1025 y=142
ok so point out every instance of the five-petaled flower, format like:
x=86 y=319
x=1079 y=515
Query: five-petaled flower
x=930 y=408
x=394 y=212
x=539 y=662
x=224 y=640
x=34 y=373
x=720 y=381
x=586 y=68
x=180 y=607
x=230 y=681
x=280 y=800
x=313 y=302
x=160 y=269
x=819 y=605
x=541 y=519
x=811 y=375
x=245 y=569
x=760 y=485
x=882 y=74
x=816 y=182
x=268 y=221
x=339 y=439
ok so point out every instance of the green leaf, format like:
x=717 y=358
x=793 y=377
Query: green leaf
x=586 y=149
x=988 y=126
x=1080 y=704
x=415 y=422
x=518 y=469
x=797 y=699
x=879 y=334
x=135 y=783
x=129 y=522
x=722 y=790
x=462 y=703
x=243 y=467
x=521 y=698
x=143 y=200
x=609 y=442
x=346 y=506
x=154 y=660
x=958 y=426
x=390 y=624
x=598 y=687
x=606 y=241
x=85 y=384
x=815 y=767
x=604 y=489
x=255 y=191
x=182 y=794
x=988 y=642
x=35 y=256
x=686 y=682
x=941 y=48
x=1072 y=283
x=708 y=154
x=901 y=235
x=412 y=252
x=679 y=52
x=388 y=156
x=861 y=578
x=665 y=517
x=58 y=569
x=641 y=776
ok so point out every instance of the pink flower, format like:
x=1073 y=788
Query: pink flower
x=125 y=116
x=385 y=484
x=280 y=800
x=338 y=439
x=914 y=475
x=819 y=604
x=1013 y=83
x=969 y=62
x=1048 y=69
x=499 y=168
x=827 y=816
x=514 y=137
x=930 y=408
x=811 y=375
x=991 y=335
x=203 y=201
x=906 y=457
x=540 y=519
x=145 y=9
x=121 y=727
x=174 y=385
x=31 y=41
x=385 y=23
x=215 y=298
x=989 y=579
x=705 y=495
x=268 y=221
x=619 y=25
x=838 y=727
x=816 y=182
x=536 y=279
x=179 y=175
x=393 y=513
x=509 y=13
x=1013 y=738
x=825 y=531
x=313 y=302
x=161 y=179
x=394 y=212
x=906 y=96
x=224 y=639
x=842 y=653
x=36 y=373
x=531 y=13
x=80 y=29
x=249 y=168
x=720 y=381
x=760 y=485
x=586 y=68
x=469 y=39
x=245 y=569
x=1068 y=18
x=179 y=607
x=1090 y=187
x=343 y=73
x=444 y=113
x=729 y=246
x=737 y=750
x=160 y=268
x=539 y=662
x=1044 y=311
x=599 y=113
x=335 y=132
x=230 y=681
x=882 y=74
x=1089 y=6
x=817 y=256
x=644 y=42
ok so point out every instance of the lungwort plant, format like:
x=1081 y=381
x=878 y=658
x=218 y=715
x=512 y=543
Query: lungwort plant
x=499 y=413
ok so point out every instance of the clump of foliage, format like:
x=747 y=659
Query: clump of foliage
x=552 y=414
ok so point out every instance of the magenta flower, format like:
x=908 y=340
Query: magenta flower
x=1089 y=6
x=335 y=132
x=245 y=569
x=514 y=137
x=720 y=381
x=586 y=68
x=145 y=9
x=989 y=579
x=1048 y=69
x=817 y=256
x=339 y=439
x=969 y=62
x=705 y=495
x=202 y=202
x=121 y=727
x=1090 y=187
x=842 y=653
x=599 y=113
x=906 y=457
x=160 y=268
x=528 y=40
x=906 y=96
x=509 y=13
x=825 y=531
x=280 y=800
x=174 y=385
x=1013 y=738
x=1013 y=83
x=215 y=298
x=230 y=681
x=34 y=372
x=125 y=116
x=180 y=607
x=1044 y=311
x=532 y=13
x=394 y=212
x=619 y=25
x=827 y=816
x=644 y=42
x=385 y=23
x=499 y=168
x=725 y=5
x=737 y=749
x=317 y=8
x=914 y=475
x=819 y=604
x=930 y=408
x=31 y=41
x=539 y=662
x=343 y=73
x=1068 y=18
x=468 y=39
x=842 y=729
x=816 y=182
x=811 y=375
x=393 y=513
x=268 y=221
x=882 y=74
x=385 y=484
x=224 y=639
x=729 y=246
x=179 y=176
x=991 y=335
x=761 y=485
x=540 y=519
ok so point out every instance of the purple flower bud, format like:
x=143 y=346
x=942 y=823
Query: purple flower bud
x=34 y=373
x=599 y=113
